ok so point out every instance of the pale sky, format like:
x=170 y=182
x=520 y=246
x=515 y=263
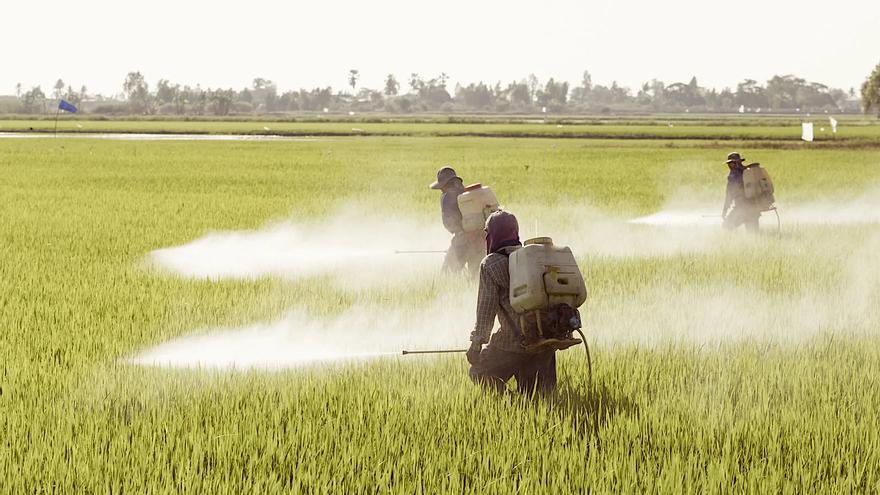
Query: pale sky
x=307 y=44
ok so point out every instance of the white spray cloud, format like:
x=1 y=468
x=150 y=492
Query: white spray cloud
x=359 y=250
x=861 y=209
x=360 y=253
x=591 y=232
x=711 y=316
x=360 y=332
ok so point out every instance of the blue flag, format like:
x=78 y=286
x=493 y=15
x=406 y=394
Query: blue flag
x=67 y=107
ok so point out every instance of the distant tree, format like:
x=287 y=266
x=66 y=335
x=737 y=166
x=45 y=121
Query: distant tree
x=871 y=92
x=391 y=85
x=353 y=76
x=581 y=94
x=180 y=100
x=554 y=94
x=534 y=85
x=165 y=91
x=839 y=97
x=415 y=83
x=265 y=93
x=727 y=99
x=200 y=100
x=319 y=98
x=750 y=94
x=619 y=94
x=519 y=94
x=681 y=95
x=271 y=99
x=260 y=83
x=782 y=91
x=221 y=100
x=815 y=95
x=371 y=96
x=34 y=101
x=136 y=92
x=475 y=96
x=587 y=81
x=72 y=96
x=289 y=100
x=433 y=93
x=59 y=89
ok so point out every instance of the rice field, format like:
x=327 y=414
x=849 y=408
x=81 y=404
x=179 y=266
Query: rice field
x=720 y=362
x=852 y=129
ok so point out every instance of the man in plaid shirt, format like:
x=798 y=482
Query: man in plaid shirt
x=505 y=356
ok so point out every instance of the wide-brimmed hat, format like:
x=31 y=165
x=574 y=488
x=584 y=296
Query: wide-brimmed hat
x=444 y=175
x=734 y=157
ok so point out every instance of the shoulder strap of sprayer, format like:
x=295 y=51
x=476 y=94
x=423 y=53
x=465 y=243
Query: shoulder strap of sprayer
x=506 y=250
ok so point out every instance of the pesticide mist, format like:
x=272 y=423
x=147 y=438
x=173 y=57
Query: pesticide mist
x=861 y=209
x=360 y=332
x=357 y=250
x=357 y=253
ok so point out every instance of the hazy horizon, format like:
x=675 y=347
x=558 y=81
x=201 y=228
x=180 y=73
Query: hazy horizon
x=227 y=44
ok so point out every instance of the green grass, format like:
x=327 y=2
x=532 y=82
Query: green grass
x=852 y=129
x=792 y=413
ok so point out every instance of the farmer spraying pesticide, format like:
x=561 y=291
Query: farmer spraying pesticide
x=750 y=191
x=534 y=290
x=464 y=211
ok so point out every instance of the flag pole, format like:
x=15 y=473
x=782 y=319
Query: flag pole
x=56 y=118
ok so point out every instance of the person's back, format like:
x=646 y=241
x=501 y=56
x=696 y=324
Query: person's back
x=744 y=211
x=504 y=357
x=466 y=249
x=449 y=211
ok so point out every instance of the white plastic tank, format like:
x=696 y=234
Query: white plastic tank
x=758 y=186
x=476 y=203
x=756 y=181
x=544 y=275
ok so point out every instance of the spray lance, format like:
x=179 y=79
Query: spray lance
x=441 y=351
x=574 y=323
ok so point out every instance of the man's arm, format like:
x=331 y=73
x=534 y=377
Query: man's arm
x=450 y=212
x=728 y=198
x=487 y=307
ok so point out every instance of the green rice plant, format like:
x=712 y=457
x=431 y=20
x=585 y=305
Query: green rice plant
x=684 y=397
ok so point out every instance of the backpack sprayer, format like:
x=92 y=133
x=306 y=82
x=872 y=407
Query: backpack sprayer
x=476 y=203
x=758 y=187
x=546 y=288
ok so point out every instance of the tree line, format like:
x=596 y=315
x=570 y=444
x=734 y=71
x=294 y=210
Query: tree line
x=781 y=93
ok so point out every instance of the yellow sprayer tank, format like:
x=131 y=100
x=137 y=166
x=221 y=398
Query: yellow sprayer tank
x=476 y=203
x=543 y=275
x=758 y=186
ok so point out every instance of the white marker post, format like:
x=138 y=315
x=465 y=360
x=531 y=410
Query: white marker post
x=807 y=131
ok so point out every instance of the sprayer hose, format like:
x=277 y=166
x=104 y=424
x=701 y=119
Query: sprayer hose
x=589 y=361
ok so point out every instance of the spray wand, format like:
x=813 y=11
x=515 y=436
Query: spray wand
x=442 y=351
